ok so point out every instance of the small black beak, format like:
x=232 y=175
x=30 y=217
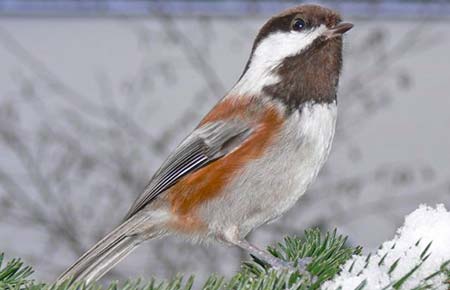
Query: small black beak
x=338 y=30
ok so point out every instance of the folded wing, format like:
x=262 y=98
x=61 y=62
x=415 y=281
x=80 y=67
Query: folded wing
x=207 y=143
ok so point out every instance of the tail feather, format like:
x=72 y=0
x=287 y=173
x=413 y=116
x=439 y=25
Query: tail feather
x=109 y=251
x=108 y=259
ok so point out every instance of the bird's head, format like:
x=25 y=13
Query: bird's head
x=300 y=45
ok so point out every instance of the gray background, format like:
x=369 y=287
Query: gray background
x=90 y=106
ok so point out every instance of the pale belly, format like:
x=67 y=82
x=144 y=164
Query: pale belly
x=269 y=186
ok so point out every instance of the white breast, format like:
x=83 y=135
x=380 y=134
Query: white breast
x=271 y=185
x=312 y=129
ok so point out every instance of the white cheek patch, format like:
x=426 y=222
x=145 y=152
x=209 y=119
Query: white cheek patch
x=269 y=53
x=279 y=45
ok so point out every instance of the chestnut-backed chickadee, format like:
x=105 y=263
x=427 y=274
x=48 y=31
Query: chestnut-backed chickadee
x=252 y=156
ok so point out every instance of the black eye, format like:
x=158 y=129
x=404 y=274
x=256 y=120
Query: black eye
x=298 y=24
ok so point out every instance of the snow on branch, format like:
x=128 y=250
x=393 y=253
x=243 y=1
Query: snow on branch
x=418 y=257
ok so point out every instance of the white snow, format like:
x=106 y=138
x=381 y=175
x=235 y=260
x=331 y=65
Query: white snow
x=426 y=224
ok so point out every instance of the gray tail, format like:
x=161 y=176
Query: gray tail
x=104 y=255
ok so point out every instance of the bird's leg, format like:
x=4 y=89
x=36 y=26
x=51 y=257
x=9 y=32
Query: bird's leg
x=276 y=263
x=232 y=237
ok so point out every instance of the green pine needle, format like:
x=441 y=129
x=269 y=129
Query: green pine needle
x=327 y=253
x=14 y=274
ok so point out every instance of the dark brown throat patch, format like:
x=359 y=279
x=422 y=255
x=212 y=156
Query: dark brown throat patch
x=312 y=75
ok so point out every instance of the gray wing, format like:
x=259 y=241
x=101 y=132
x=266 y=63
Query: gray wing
x=204 y=145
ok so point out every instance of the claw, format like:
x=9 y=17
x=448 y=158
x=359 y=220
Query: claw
x=292 y=267
x=281 y=265
x=303 y=262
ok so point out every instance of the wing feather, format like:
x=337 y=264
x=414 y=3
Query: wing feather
x=206 y=144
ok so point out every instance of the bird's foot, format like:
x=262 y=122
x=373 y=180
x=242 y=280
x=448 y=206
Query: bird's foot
x=281 y=265
x=292 y=267
x=299 y=265
x=303 y=262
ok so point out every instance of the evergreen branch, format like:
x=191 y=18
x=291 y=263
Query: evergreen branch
x=327 y=255
x=14 y=275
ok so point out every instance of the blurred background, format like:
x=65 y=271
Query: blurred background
x=95 y=93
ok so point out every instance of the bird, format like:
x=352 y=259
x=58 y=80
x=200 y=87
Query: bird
x=252 y=156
